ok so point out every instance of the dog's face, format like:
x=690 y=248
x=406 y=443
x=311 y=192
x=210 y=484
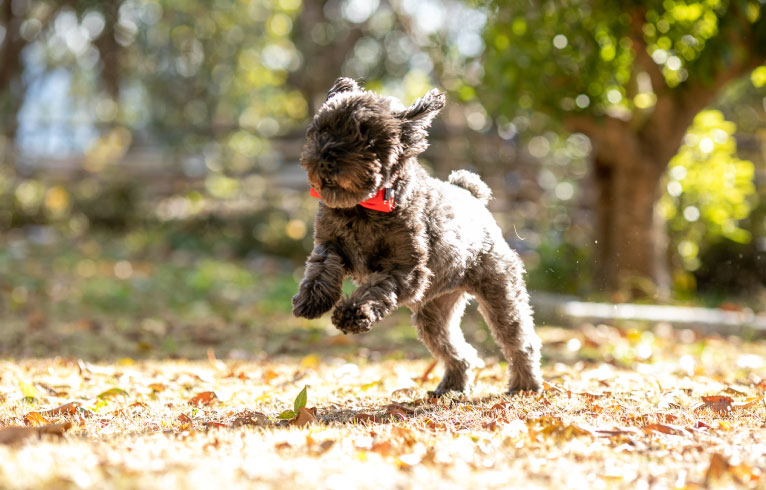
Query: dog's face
x=357 y=139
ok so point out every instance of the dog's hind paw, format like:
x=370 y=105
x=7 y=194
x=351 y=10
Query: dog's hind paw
x=353 y=318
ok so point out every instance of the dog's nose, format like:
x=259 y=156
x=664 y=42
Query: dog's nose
x=326 y=166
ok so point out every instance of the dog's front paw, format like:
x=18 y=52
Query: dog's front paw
x=353 y=318
x=311 y=306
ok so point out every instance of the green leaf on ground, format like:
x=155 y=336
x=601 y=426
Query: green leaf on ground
x=300 y=400
x=287 y=415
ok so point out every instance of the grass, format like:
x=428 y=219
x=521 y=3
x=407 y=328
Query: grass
x=126 y=366
x=149 y=424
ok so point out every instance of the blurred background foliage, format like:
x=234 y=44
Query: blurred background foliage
x=149 y=149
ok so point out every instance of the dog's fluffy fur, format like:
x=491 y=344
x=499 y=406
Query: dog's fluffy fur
x=439 y=246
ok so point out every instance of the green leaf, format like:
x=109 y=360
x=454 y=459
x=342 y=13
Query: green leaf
x=28 y=390
x=300 y=400
x=111 y=393
x=287 y=415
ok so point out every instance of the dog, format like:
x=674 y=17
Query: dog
x=408 y=239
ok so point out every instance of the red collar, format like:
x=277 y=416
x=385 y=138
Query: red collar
x=383 y=201
x=377 y=203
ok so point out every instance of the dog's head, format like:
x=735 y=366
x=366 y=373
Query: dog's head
x=357 y=140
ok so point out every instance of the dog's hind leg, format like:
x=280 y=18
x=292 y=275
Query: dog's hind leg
x=438 y=323
x=504 y=304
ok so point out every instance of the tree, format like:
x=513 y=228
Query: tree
x=631 y=76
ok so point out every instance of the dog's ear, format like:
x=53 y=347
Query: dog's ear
x=343 y=84
x=417 y=118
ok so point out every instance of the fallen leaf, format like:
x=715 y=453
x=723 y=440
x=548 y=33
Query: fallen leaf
x=664 y=429
x=724 y=425
x=371 y=384
x=184 y=422
x=717 y=403
x=112 y=393
x=554 y=427
x=381 y=447
x=748 y=402
x=28 y=390
x=717 y=469
x=211 y=424
x=65 y=409
x=549 y=387
x=499 y=406
x=157 y=387
x=403 y=393
x=35 y=418
x=744 y=473
x=204 y=398
x=218 y=365
x=399 y=412
x=11 y=435
x=424 y=377
x=311 y=361
x=395 y=407
x=589 y=397
x=305 y=417
x=615 y=431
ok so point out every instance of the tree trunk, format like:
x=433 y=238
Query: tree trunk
x=630 y=247
x=11 y=89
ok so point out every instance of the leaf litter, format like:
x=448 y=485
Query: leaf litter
x=369 y=424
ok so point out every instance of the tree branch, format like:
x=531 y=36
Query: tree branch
x=637 y=20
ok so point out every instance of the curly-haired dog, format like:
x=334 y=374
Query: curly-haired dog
x=408 y=239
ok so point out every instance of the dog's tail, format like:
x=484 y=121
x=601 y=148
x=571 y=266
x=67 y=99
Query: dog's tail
x=472 y=183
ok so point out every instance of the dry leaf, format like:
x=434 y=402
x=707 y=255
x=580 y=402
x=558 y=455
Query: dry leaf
x=35 y=418
x=111 y=393
x=748 y=402
x=404 y=393
x=11 y=435
x=381 y=447
x=311 y=361
x=615 y=431
x=306 y=416
x=717 y=403
x=204 y=398
x=664 y=429
x=396 y=408
x=549 y=387
x=424 y=377
x=65 y=409
x=157 y=387
x=744 y=473
x=718 y=468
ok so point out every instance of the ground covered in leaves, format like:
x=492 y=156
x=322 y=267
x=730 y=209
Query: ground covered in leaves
x=622 y=408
